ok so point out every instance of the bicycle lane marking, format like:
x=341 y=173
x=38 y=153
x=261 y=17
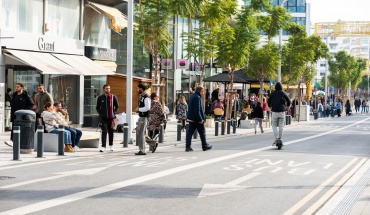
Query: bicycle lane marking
x=111 y=187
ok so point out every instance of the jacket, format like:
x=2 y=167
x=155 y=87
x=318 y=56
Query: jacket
x=196 y=109
x=102 y=106
x=50 y=120
x=41 y=100
x=156 y=116
x=278 y=100
x=258 y=112
x=20 y=102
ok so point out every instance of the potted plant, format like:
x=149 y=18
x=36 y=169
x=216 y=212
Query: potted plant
x=209 y=121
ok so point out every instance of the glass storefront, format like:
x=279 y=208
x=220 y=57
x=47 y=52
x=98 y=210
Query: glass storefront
x=21 y=15
x=28 y=77
x=96 y=29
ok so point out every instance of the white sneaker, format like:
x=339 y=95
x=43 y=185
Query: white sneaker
x=77 y=149
x=111 y=148
x=102 y=149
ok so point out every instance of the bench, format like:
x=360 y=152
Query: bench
x=89 y=139
x=50 y=142
x=248 y=123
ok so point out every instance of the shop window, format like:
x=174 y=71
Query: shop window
x=63 y=18
x=22 y=16
x=93 y=89
x=97 y=31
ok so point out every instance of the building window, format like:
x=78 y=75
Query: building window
x=364 y=49
x=63 y=18
x=22 y=16
x=364 y=41
x=322 y=73
x=97 y=31
x=322 y=64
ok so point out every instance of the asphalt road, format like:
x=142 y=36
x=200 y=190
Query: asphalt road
x=240 y=175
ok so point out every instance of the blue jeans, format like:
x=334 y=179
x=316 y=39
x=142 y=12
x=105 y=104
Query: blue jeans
x=75 y=136
x=67 y=136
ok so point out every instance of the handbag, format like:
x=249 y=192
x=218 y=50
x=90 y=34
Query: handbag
x=115 y=123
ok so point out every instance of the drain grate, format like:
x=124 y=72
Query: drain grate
x=5 y=178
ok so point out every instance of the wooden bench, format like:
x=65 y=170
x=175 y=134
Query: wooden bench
x=248 y=123
x=89 y=139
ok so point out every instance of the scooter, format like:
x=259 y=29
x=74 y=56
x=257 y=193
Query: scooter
x=278 y=143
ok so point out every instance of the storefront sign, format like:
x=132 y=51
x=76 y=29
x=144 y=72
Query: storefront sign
x=182 y=64
x=166 y=64
x=46 y=46
x=96 y=53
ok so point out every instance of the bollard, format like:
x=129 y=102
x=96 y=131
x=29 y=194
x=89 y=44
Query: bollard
x=125 y=135
x=216 y=127
x=178 y=130
x=16 y=142
x=40 y=141
x=228 y=126
x=223 y=127
x=160 y=139
x=61 y=140
x=234 y=126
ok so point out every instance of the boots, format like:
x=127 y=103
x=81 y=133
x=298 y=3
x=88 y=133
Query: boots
x=68 y=148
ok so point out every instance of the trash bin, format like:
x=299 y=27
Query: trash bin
x=288 y=119
x=26 y=119
x=315 y=114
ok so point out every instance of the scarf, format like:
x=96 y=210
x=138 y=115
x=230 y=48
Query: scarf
x=111 y=113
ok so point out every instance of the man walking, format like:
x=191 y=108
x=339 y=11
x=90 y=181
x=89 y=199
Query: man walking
x=107 y=107
x=196 y=119
x=42 y=97
x=143 y=109
x=20 y=101
x=278 y=102
x=75 y=133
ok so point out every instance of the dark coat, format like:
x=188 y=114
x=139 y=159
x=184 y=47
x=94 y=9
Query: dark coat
x=278 y=100
x=102 y=106
x=196 y=109
x=20 y=102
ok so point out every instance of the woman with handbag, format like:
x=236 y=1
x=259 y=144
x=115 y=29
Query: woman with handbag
x=182 y=109
x=156 y=118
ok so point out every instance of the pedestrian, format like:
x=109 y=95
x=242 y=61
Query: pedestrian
x=143 y=109
x=339 y=108
x=363 y=104
x=41 y=98
x=278 y=102
x=258 y=116
x=327 y=109
x=49 y=116
x=215 y=94
x=166 y=113
x=243 y=116
x=196 y=118
x=156 y=118
x=264 y=107
x=21 y=100
x=107 y=107
x=182 y=109
x=320 y=108
x=348 y=108
x=8 y=102
x=61 y=119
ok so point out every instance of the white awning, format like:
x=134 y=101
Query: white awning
x=44 y=62
x=118 y=19
x=83 y=64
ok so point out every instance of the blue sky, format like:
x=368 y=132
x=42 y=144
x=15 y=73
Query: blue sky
x=346 y=10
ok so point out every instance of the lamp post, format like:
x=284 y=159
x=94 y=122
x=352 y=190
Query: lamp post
x=130 y=48
x=280 y=41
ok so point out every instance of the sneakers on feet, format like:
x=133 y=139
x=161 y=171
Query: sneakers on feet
x=111 y=148
x=77 y=149
x=102 y=149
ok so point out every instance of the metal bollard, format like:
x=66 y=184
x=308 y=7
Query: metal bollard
x=16 y=142
x=125 y=135
x=178 y=130
x=223 y=127
x=234 y=126
x=216 y=127
x=40 y=141
x=228 y=126
x=61 y=140
x=160 y=139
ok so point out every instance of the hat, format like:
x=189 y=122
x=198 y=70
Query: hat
x=142 y=86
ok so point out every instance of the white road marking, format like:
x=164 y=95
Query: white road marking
x=99 y=190
x=313 y=193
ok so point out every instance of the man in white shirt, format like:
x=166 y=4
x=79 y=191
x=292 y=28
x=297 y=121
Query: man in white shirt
x=143 y=109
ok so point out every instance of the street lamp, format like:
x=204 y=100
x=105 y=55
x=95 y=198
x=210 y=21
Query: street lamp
x=280 y=41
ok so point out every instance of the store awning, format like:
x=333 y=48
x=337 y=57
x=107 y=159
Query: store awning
x=112 y=66
x=83 y=64
x=44 y=62
x=118 y=20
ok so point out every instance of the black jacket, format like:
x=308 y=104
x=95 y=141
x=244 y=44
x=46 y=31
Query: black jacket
x=196 y=109
x=278 y=101
x=258 y=112
x=20 y=102
x=102 y=106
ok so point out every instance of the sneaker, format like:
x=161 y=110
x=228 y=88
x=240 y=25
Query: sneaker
x=111 y=148
x=140 y=153
x=77 y=148
x=208 y=147
x=102 y=149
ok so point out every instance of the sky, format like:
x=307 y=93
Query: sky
x=333 y=10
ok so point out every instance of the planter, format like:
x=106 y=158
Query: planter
x=210 y=123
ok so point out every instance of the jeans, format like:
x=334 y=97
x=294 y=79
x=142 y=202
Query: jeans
x=202 y=133
x=106 y=127
x=67 y=136
x=256 y=121
x=75 y=136
x=278 y=122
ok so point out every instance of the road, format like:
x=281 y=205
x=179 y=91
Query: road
x=240 y=175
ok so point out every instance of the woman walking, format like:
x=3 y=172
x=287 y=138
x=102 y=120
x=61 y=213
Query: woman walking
x=156 y=117
x=182 y=108
x=258 y=116
x=348 y=108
